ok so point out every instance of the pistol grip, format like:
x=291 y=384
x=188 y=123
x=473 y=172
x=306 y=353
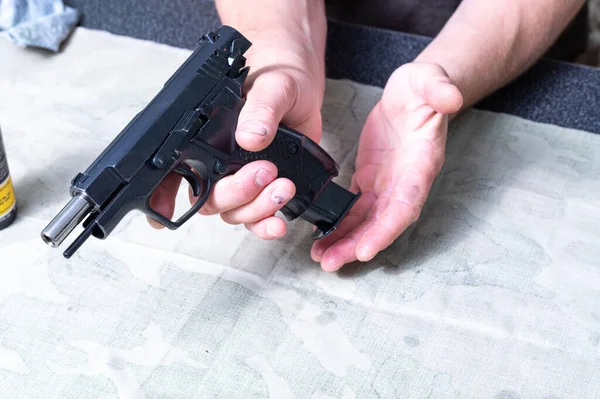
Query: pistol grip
x=318 y=200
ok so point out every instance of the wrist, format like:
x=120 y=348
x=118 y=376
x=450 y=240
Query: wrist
x=287 y=50
x=281 y=32
x=272 y=19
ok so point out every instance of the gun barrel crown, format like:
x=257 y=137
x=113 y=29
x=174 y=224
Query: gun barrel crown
x=65 y=222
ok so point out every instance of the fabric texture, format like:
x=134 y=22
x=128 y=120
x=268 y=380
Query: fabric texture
x=37 y=23
x=421 y=17
x=493 y=293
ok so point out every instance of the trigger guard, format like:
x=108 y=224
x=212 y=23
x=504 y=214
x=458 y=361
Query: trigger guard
x=201 y=188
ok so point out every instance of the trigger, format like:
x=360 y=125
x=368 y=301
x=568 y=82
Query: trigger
x=188 y=174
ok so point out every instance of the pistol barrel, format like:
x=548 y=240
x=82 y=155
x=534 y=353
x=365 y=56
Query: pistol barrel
x=66 y=221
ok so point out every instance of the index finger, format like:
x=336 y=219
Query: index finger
x=163 y=198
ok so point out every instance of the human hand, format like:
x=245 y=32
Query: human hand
x=286 y=84
x=401 y=151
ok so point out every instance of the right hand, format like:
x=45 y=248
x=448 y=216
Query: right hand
x=286 y=84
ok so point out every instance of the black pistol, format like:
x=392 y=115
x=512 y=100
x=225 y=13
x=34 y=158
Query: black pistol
x=189 y=128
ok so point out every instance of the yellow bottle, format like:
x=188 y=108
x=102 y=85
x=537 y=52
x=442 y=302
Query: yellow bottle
x=8 y=202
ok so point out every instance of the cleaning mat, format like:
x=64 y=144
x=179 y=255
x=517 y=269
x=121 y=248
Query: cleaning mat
x=493 y=293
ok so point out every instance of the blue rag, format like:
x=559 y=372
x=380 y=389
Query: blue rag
x=37 y=23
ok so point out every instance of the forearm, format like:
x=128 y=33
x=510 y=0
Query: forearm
x=284 y=33
x=269 y=15
x=486 y=44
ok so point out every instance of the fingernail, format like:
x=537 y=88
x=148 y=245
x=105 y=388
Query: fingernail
x=330 y=265
x=319 y=251
x=366 y=255
x=280 y=195
x=270 y=232
x=257 y=129
x=263 y=177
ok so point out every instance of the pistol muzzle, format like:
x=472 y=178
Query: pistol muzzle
x=65 y=222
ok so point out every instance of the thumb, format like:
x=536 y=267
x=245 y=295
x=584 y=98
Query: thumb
x=443 y=96
x=270 y=97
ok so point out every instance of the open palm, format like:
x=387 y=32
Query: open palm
x=401 y=151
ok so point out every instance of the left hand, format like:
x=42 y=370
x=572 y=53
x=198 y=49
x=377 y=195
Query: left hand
x=400 y=153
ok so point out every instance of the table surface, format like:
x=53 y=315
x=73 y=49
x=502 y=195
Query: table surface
x=492 y=293
x=553 y=92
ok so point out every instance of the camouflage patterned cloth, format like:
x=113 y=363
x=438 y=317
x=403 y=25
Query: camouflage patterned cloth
x=494 y=293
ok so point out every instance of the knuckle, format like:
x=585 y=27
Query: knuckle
x=264 y=109
x=243 y=188
x=288 y=85
x=277 y=90
x=285 y=89
x=259 y=124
